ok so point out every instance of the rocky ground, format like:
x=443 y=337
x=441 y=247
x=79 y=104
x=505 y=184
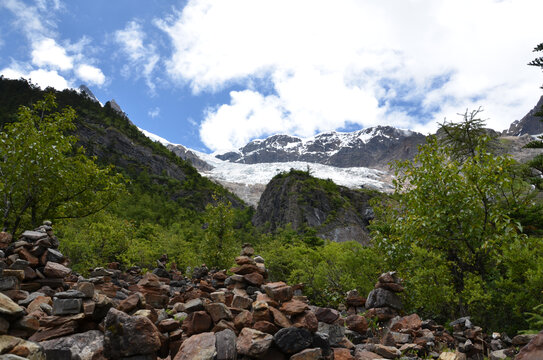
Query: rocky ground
x=49 y=312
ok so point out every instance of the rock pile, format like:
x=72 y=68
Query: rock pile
x=46 y=311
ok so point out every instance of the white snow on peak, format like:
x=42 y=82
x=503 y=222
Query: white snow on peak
x=156 y=137
x=252 y=174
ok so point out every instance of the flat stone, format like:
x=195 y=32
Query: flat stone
x=55 y=270
x=254 y=278
x=38 y=301
x=326 y=315
x=66 y=306
x=279 y=318
x=294 y=307
x=308 y=354
x=241 y=302
x=33 y=235
x=278 y=291
x=54 y=255
x=410 y=322
x=70 y=294
x=197 y=322
x=218 y=311
x=357 y=323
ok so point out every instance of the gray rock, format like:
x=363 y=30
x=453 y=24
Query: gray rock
x=292 y=340
x=66 y=306
x=30 y=298
x=87 y=346
x=378 y=298
x=19 y=264
x=100 y=271
x=498 y=355
x=335 y=332
x=54 y=255
x=225 y=343
x=9 y=308
x=8 y=283
x=70 y=294
x=33 y=235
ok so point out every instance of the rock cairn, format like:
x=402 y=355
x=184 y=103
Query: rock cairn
x=48 y=312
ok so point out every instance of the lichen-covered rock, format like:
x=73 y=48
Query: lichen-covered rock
x=197 y=347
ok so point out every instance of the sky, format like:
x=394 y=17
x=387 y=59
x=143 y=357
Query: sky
x=214 y=75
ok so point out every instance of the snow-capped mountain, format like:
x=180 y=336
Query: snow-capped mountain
x=372 y=147
x=249 y=180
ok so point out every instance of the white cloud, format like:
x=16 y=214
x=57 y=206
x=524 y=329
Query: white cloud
x=153 y=113
x=353 y=61
x=43 y=78
x=142 y=57
x=38 y=23
x=47 y=52
x=90 y=74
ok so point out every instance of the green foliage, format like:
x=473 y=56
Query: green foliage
x=219 y=245
x=327 y=271
x=454 y=217
x=535 y=319
x=43 y=175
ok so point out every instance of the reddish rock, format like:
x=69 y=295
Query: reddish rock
x=279 y=318
x=278 y=291
x=242 y=260
x=168 y=325
x=254 y=279
x=354 y=299
x=35 y=304
x=55 y=270
x=357 y=323
x=243 y=319
x=294 y=307
x=306 y=320
x=382 y=314
x=533 y=350
x=342 y=354
x=130 y=303
x=252 y=342
x=366 y=355
x=390 y=286
x=197 y=347
x=326 y=315
x=245 y=269
x=241 y=302
x=197 y=322
x=218 y=312
x=266 y=327
x=410 y=322
x=5 y=240
x=26 y=255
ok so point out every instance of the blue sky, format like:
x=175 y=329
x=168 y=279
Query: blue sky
x=213 y=75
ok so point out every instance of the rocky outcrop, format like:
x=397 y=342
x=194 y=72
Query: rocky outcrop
x=337 y=213
x=372 y=147
x=189 y=156
x=530 y=124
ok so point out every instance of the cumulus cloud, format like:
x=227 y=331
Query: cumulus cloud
x=142 y=57
x=47 y=52
x=90 y=74
x=48 y=56
x=406 y=63
x=42 y=78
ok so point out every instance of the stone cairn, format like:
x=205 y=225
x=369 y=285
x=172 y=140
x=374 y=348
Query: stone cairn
x=48 y=312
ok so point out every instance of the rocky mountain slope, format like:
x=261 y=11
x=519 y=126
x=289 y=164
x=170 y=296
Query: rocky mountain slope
x=107 y=133
x=335 y=212
x=372 y=147
x=530 y=124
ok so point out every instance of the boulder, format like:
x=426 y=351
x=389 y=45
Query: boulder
x=197 y=322
x=129 y=335
x=292 y=340
x=533 y=350
x=197 y=347
x=55 y=270
x=225 y=344
x=379 y=298
x=84 y=346
x=278 y=291
x=253 y=343
x=9 y=308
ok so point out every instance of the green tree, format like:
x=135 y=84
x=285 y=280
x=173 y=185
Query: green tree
x=43 y=175
x=452 y=217
x=219 y=245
